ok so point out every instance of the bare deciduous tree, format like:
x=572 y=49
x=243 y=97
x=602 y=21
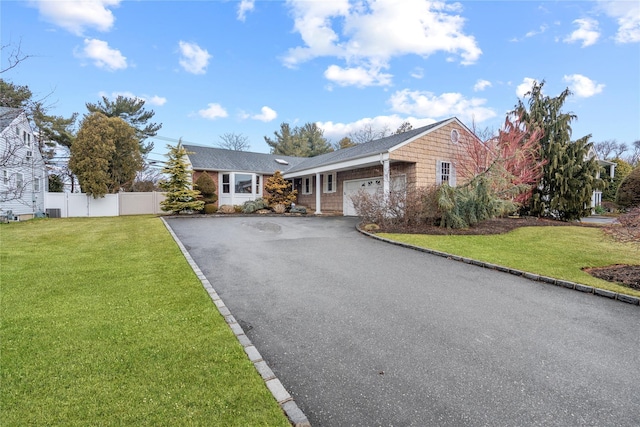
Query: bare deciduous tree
x=234 y=141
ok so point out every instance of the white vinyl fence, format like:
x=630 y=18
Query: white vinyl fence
x=65 y=205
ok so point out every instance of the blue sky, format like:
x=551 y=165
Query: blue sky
x=213 y=67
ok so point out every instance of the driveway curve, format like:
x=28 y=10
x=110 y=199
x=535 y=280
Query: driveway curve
x=363 y=333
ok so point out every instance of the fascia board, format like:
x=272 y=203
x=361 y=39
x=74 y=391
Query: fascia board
x=344 y=165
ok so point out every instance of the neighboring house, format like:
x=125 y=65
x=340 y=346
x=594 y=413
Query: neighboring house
x=23 y=176
x=417 y=158
x=610 y=168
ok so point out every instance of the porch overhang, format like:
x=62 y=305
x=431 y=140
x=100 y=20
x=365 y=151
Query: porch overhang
x=363 y=162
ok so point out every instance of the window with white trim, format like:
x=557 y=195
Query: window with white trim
x=5 y=176
x=329 y=184
x=36 y=185
x=445 y=173
x=226 y=184
x=19 y=181
x=307 y=185
x=242 y=183
x=257 y=184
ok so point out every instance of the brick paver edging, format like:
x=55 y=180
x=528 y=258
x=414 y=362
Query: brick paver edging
x=295 y=415
x=531 y=276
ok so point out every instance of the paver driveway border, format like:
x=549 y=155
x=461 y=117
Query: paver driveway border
x=531 y=276
x=279 y=392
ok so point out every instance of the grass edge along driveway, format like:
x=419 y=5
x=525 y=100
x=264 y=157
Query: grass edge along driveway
x=558 y=252
x=104 y=323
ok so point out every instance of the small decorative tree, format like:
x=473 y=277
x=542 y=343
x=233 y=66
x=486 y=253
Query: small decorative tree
x=207 y=189
x=279 y=191
x=180 y=196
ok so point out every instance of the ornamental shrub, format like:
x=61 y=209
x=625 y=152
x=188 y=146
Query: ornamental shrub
x=207 y=188
x=279 y=191
x=628 y=194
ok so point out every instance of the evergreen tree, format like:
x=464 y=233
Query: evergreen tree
x=621 y=171
x=279 y=191
x=305 y=141
x=569 y=174
x=628 y=194
x=132 y=111
x=180 y=196
x=105 y=155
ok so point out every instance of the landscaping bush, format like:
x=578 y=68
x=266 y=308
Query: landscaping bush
x=279 y=208
x=629 y=191
x=279 y=191
x=210 y=208
x=252 y=206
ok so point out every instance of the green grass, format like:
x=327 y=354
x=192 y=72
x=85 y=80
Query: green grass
x=104 y=323
x=558 y=252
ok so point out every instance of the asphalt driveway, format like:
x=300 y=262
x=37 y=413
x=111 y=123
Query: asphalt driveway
x=363 y=333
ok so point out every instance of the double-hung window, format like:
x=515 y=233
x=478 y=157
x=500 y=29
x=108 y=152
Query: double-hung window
x=226 y=183
x=307 y=185
x=329 y=185
x=445 y=173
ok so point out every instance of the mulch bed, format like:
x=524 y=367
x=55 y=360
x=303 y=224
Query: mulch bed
x=627 y=275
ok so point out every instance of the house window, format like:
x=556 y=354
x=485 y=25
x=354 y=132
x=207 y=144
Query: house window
x=36 y=185
x=19 y=181
x=5 y=176
x=446 y=173
x=329 y=183
x=226 y=187
x=257 y=184
x=307 y=185
x=242 y=183
x=28 y=140
x=24 y=137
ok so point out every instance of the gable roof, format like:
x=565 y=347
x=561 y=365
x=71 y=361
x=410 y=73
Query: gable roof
x=7 y=116
x=367 y=149
x=220 y=159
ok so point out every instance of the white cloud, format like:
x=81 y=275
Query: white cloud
x=336 y=131
x=267 y=114
x=417 y=73
x=213 y=111
x=426 y=104
x=540 y=30
x=244 y=7
x=357 y=76
x=583 y=87
x=367 y=34
x=627 y=13
x=587 y=32
x=525 y=86
x=156 y=100
x=194 y=59
x=151 y=100
x=76 y=16
x=481 y=85
x=102 y=55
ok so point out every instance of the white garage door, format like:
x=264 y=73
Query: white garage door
x=370 y=185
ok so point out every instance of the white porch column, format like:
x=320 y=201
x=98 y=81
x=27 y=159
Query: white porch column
x=318 y=188
x=386 y=180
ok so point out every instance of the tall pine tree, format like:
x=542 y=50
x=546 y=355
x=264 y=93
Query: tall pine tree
x=180 y=196
x=569 y=175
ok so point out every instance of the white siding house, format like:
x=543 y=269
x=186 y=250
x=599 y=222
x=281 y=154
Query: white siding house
x=23 y=176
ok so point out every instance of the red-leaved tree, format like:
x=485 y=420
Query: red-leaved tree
x=510 y=161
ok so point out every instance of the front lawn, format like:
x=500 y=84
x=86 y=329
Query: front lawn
x=558 y=252
x=104 y=323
